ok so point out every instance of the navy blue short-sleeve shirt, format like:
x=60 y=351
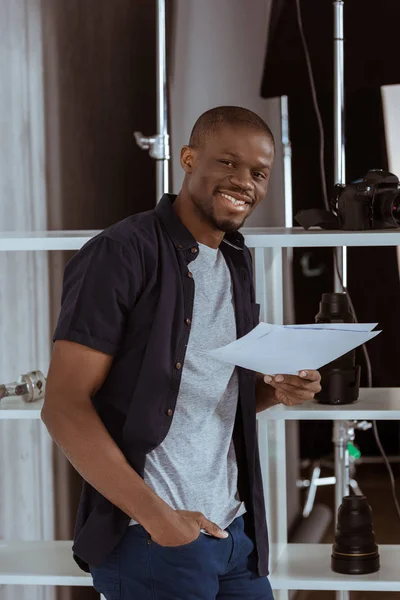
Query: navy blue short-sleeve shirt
x=129 y=293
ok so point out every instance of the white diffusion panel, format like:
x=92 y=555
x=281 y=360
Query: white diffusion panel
x=391 y=104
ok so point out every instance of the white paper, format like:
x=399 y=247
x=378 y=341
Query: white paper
x=341 y=326
x=279 y=349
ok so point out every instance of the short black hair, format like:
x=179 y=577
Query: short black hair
x=209 y=122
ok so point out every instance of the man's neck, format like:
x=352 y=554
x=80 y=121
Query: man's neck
x=188 y=213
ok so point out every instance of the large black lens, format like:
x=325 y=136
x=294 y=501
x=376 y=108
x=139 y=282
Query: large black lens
x=355 y=551
x=340 y=379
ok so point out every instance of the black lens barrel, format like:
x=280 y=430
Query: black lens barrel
x=340 y=379
x=354 y=551
x=334 y=308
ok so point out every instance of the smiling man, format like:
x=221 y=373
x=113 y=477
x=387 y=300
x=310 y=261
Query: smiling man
x=164 y=436
x=227 y=172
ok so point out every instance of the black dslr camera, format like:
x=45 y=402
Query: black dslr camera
x=372 y=203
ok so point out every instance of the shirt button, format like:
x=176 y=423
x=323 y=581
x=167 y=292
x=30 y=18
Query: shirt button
x=188 y=321
x=190 y=274
x=178 y=365
x=169 y=412
x=193 y=250
x=180 y=246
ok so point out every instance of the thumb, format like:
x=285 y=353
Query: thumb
x=213 y=529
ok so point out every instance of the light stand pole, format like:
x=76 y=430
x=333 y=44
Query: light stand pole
x=339 y=124
x=158 y=144
x=341 y=429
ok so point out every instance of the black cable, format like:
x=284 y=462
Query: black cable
x=335 y=261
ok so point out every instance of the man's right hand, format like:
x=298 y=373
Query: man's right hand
x=186 y=529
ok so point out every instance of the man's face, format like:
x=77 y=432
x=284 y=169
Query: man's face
x=228 y=176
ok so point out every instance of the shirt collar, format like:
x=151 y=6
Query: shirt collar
x=180 y=235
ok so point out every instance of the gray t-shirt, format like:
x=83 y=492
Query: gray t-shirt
x=195 y=467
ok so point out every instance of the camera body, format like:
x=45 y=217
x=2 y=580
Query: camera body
x=372 y=203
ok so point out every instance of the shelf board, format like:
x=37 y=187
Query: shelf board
x=16 y=408
x=44 y=240
x=40 y=563
x=256 y=237
x=307 y=567
x=373 y=403
x=296 y=237
x=300 y=567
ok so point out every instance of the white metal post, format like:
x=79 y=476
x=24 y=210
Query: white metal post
x=339 y=124
x=271 y=434
x=162 y=96
x=158 y=145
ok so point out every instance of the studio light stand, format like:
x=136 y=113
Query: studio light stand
x=158 y=144
x=345 y=438
x=343 y=431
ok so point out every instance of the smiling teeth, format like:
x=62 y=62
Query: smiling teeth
x=237 y=202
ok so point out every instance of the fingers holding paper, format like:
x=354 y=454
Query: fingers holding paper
x=295 y=389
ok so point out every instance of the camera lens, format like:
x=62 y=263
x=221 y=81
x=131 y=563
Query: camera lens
x=355 y=551
x=396 y=209
x=340 y=379
x=390 y=208
x=334 y=308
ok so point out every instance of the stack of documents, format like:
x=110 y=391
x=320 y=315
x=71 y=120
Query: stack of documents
x=279 y=349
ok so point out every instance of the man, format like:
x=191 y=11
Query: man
x=163 y=436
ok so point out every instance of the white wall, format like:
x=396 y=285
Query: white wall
x=217 y=58
x=26 y=500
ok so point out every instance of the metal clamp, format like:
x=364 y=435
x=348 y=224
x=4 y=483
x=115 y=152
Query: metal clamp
x=158 y=145
x=29 y=386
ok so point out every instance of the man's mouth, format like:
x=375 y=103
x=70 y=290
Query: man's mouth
x=235 y=203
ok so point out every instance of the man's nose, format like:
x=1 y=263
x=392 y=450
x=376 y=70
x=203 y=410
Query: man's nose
x=243 y=180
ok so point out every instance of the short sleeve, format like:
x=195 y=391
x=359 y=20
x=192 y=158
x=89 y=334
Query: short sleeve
x=100 y=287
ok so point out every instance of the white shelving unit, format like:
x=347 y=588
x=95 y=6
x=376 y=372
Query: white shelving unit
x=292 y=568
x=297 y=567
x=15 y=408
x=40 y=563
x=373 y=403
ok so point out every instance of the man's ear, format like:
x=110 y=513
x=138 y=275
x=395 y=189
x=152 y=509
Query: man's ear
x=187 y=159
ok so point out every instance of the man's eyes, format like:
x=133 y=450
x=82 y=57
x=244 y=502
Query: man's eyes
x=229 y=163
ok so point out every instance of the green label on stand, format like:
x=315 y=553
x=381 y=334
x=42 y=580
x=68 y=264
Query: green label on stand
x=353 y=451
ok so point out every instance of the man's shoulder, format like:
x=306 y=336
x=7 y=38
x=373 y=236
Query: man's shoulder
x=133 y=233
x=133 y=229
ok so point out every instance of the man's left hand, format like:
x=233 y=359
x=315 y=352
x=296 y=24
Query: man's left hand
x=295 y=389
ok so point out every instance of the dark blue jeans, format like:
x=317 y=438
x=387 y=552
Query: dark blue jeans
x=207 y=569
